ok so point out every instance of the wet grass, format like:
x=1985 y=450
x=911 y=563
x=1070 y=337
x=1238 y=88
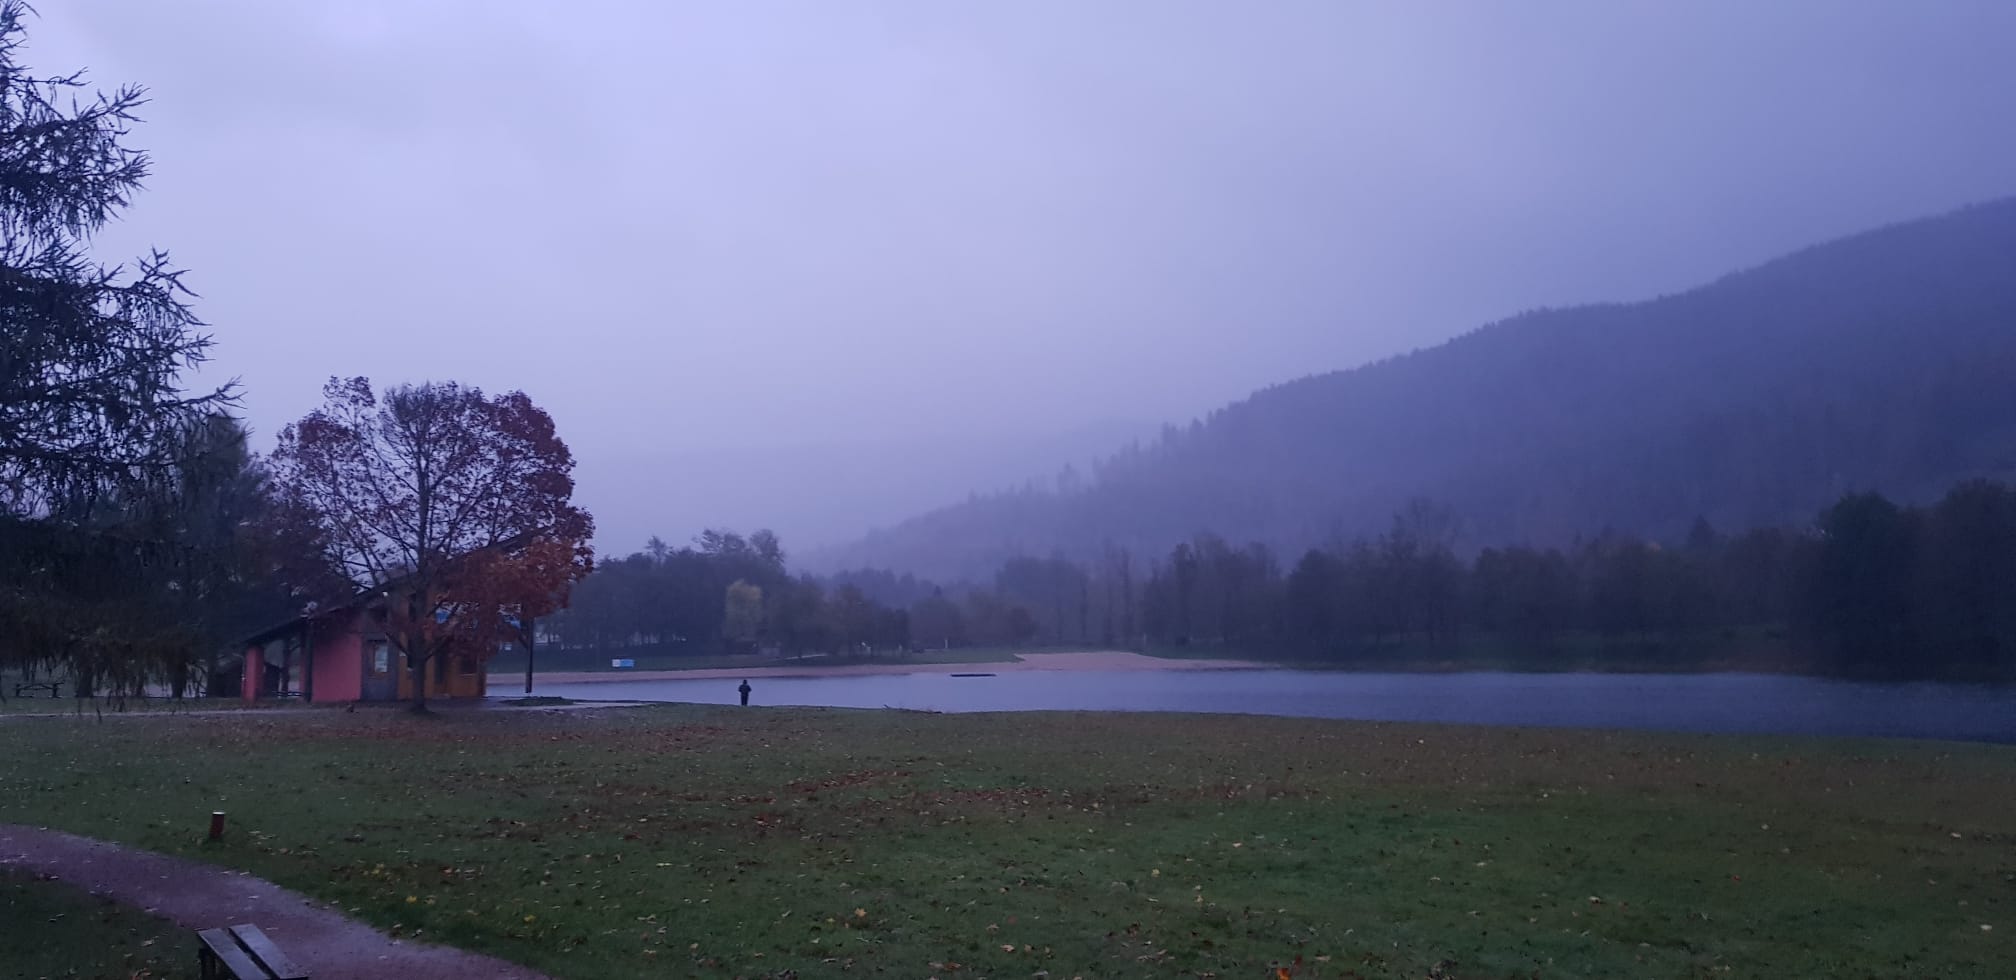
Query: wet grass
x=54 y=930
x=719 y=842
x=109 y=706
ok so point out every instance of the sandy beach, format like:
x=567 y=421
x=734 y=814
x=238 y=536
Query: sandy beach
x=1088 y=660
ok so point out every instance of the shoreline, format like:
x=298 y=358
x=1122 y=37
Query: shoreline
x=1128 y=662
x=1091 y=660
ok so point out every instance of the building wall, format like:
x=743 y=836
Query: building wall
x=248 y=680
x=337 y=667
x=339 y=661
x=448 y=676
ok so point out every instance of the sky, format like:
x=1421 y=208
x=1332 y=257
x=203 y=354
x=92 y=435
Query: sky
x=819 y=266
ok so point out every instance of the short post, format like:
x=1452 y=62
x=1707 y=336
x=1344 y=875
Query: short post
x=216 y=825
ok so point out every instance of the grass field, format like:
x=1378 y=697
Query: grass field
x=109 y=706
x=53 y=930
x=717 y=842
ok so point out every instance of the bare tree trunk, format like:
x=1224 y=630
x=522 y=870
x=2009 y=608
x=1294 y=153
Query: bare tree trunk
x=414 y=639
x=418 y=670
x=416 y=667
x=531 y=638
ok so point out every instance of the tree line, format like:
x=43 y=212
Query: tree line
x=1869 y=588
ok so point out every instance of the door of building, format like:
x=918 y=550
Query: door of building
x=380 y=683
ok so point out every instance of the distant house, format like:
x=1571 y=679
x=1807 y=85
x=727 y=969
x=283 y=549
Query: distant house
x=343 y=654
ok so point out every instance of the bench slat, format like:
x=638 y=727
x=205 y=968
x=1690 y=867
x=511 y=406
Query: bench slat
x=268 y=955
x=225 y=947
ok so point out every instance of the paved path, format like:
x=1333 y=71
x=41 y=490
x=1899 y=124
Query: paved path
x=329 y=945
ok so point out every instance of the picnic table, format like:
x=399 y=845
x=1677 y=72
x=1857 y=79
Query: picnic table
x=55 y=688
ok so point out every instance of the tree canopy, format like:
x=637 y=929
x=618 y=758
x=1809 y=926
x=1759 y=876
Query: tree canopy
x=456 y=505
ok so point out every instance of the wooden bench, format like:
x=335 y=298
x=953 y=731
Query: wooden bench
x=244 y=953
x=55 y=688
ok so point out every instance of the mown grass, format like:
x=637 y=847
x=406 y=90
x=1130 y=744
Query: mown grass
x=95 y=707
x=718 y=842
x=98 y=707
x=54 y=930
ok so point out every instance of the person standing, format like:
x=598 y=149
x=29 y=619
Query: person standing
x=744 y=689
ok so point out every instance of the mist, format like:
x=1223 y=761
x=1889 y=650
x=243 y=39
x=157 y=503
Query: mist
x=1143 y=488
x=809 y=242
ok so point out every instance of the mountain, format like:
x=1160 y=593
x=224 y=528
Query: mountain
x=1884 y=361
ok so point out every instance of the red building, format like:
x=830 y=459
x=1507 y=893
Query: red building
x=344 y=654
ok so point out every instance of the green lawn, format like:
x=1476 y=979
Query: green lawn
x=54 y=930
x=723 y=842
x=108 y=706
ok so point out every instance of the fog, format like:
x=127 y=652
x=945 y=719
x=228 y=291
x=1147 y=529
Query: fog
x=819 y=266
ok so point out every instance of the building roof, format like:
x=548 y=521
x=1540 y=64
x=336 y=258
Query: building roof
x=364 y=597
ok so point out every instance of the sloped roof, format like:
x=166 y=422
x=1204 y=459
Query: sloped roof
x=367 y=595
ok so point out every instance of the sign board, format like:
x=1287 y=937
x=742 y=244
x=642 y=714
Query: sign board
x=625 y=662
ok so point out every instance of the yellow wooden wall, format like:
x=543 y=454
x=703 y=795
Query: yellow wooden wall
x=449 y=675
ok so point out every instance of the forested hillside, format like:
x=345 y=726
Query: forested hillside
x=1881 y=362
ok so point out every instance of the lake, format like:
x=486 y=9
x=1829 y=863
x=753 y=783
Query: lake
x=1757 y=703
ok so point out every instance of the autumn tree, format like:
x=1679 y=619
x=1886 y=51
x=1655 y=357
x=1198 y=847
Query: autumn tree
x=456 y=505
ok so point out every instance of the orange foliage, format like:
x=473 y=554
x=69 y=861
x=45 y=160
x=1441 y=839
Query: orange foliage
x=483 y=600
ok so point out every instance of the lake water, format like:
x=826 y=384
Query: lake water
x=1668 y=702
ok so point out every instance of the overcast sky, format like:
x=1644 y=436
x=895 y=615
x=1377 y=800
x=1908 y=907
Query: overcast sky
x=694 y=229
